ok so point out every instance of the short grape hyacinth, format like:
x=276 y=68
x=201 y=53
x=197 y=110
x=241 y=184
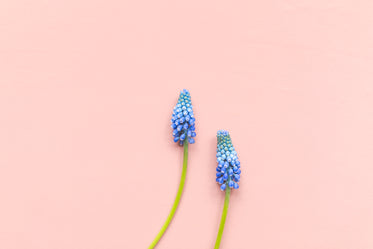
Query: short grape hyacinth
x=228 y=169
x=227 y=175
x=183 y=121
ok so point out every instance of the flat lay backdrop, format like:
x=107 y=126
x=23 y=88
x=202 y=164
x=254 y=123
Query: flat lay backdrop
x=86 y=94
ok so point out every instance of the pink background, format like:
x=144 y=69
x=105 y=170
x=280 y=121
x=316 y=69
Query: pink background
x=86 y=94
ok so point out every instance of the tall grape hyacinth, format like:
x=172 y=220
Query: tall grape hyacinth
x=183 y=121
x=227 y=175
x=228 y=169
x=183 y=125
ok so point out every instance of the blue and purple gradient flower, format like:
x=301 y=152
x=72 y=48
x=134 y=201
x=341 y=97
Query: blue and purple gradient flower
x=183 y=121
x=228 y=169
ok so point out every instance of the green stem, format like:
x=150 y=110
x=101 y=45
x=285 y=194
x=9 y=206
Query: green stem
x=223 y=217
x=177 y=199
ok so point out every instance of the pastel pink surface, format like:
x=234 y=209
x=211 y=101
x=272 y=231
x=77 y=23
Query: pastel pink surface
x=86 y=94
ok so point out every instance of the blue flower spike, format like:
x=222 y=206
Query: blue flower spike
x=227 y=174
x=228 y=170
x=183 y=121
x=183 y=125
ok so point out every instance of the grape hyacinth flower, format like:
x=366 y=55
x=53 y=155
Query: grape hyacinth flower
x=227 y=173
x=228 y=169
x=183 y=121
x=183 y=125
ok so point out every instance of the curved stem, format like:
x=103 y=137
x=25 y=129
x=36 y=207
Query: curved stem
x=223 y=217
x=177 y=199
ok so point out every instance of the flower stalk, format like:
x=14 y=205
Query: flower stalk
x=177 y=199
x=223 y=218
